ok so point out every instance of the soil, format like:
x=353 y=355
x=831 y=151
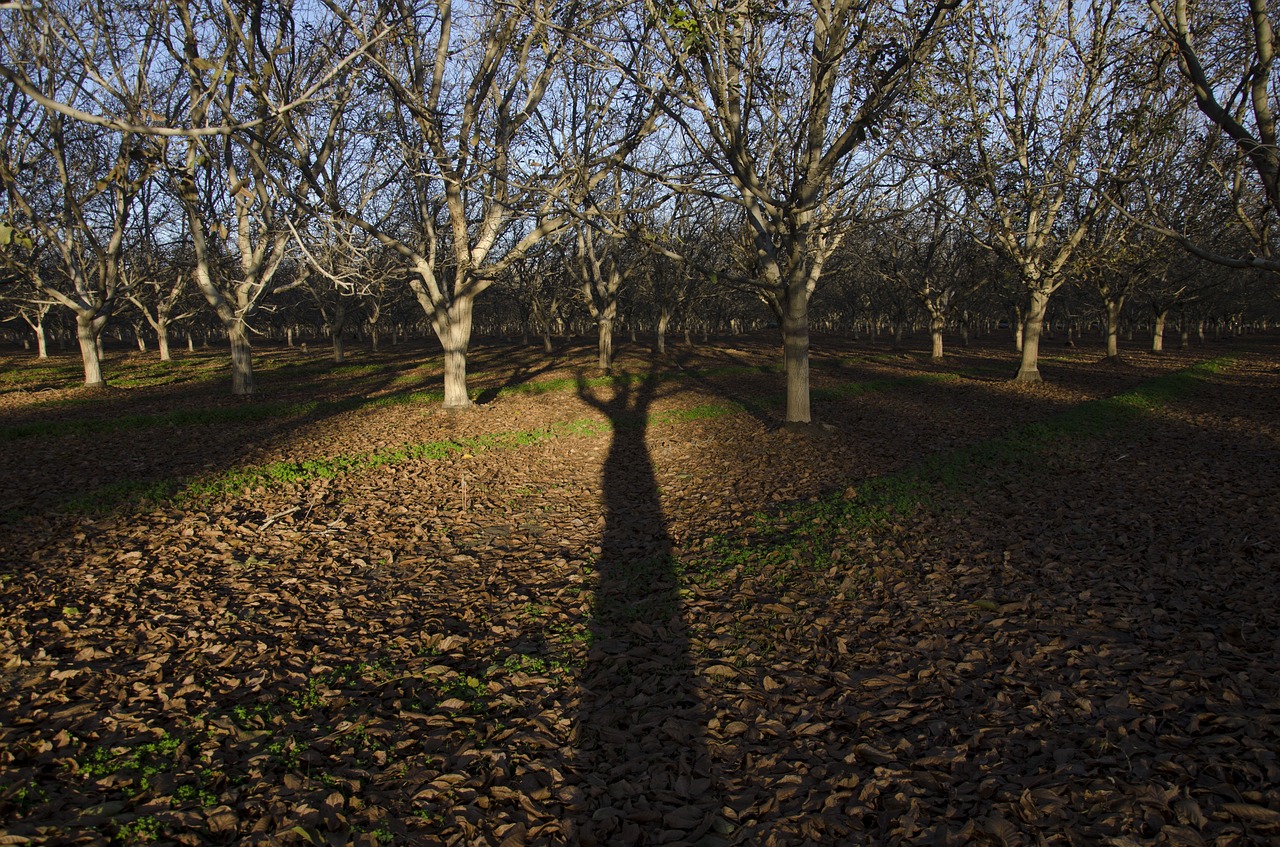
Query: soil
x=638 y=609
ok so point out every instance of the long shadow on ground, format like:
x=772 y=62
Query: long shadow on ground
x=640 y=759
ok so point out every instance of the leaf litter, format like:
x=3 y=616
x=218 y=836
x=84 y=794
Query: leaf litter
x=667 y=627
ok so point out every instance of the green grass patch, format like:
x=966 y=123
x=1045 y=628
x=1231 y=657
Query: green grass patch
x=850 y=390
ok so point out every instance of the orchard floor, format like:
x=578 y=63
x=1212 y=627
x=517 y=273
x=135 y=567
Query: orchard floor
x=636 y=610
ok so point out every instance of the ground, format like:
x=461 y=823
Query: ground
x=635 y=609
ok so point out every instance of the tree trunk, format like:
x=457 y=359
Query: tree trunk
x=454 y=332
x=664 y=319
x=604 y=342
x=1033 y=323
x=242 y=384
x=936 y=324
x=1113 y=327
x=162 y=341
x=88 y=333
x=795 y=353
x=1157 y=335
x=42 y=343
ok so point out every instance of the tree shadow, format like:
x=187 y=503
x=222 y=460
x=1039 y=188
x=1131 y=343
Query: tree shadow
x=522 y=373
x=640 y=760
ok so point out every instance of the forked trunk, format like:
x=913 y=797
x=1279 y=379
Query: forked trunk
x=242 y=384
x=795 y=353
x=1157 y=336
x=1032 y=325
x=42 y=342
x=87 y=333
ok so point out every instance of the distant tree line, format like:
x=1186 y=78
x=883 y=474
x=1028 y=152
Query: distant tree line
x=191 y=171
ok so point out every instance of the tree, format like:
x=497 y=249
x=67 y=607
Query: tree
x=157 y=265
x=237 y=66
x=601 y=271
x=781 y=104
x=459 y=91
x=926 y=255
x=73 y=186
x=539 y=284
x=1043 y=128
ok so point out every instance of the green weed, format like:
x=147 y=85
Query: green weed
x=143 y=830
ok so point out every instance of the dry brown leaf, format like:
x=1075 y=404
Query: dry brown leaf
x=1252 y=812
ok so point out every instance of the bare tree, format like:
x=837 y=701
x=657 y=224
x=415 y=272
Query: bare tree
x=236 y=65
x=72 y=186
x=461 y=89
x=780 y=105
x=926 y=254
x=21 y=286
x=1043 y=128
x=540 y=284
x=157 y=265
